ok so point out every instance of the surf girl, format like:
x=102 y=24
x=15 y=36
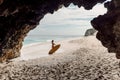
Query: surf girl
x=53 y=44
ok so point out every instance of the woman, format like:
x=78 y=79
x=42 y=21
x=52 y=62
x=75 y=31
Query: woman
x=53 y=44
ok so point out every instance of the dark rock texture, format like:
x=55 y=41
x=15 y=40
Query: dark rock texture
x=108 y=27
x=18 y=17
x=90 y=32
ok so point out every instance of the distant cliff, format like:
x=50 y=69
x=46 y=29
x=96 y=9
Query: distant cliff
x=90 y=32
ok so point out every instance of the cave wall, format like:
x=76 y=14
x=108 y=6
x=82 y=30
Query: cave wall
x=18 y=17
x=108 y=27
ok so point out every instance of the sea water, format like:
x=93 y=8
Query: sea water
x=46 y=38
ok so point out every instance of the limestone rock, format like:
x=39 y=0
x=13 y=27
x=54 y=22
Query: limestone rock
x=108 y=26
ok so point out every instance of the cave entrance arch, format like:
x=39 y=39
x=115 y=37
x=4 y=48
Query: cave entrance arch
x=65 y=23
x=18 y=17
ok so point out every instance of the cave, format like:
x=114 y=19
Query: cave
x=18 y=17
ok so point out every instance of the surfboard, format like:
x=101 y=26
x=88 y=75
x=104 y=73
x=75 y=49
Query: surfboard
x=54 y=49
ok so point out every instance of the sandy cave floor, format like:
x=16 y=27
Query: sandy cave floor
x=78 y=59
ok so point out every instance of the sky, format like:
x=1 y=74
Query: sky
x=68 y=21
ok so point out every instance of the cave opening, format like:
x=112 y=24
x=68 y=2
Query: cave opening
x=70 y=22
x=66 y=21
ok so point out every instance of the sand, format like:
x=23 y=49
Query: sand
x=77 y=59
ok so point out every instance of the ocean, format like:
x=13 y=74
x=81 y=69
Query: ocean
x=46 y=38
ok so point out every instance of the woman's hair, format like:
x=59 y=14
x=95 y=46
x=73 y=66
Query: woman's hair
x=52 y=40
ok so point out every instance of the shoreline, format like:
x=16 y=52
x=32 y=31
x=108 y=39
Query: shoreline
x=39 y=50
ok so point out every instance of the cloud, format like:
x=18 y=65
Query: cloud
x=80 y=19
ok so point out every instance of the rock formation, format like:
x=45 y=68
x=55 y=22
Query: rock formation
x=108 y=27
x=18 y=17
x=90 y=32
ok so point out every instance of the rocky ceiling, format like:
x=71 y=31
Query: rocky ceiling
x=18 y=17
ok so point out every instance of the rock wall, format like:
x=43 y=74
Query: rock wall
x=18 y=17
x=108 y=27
